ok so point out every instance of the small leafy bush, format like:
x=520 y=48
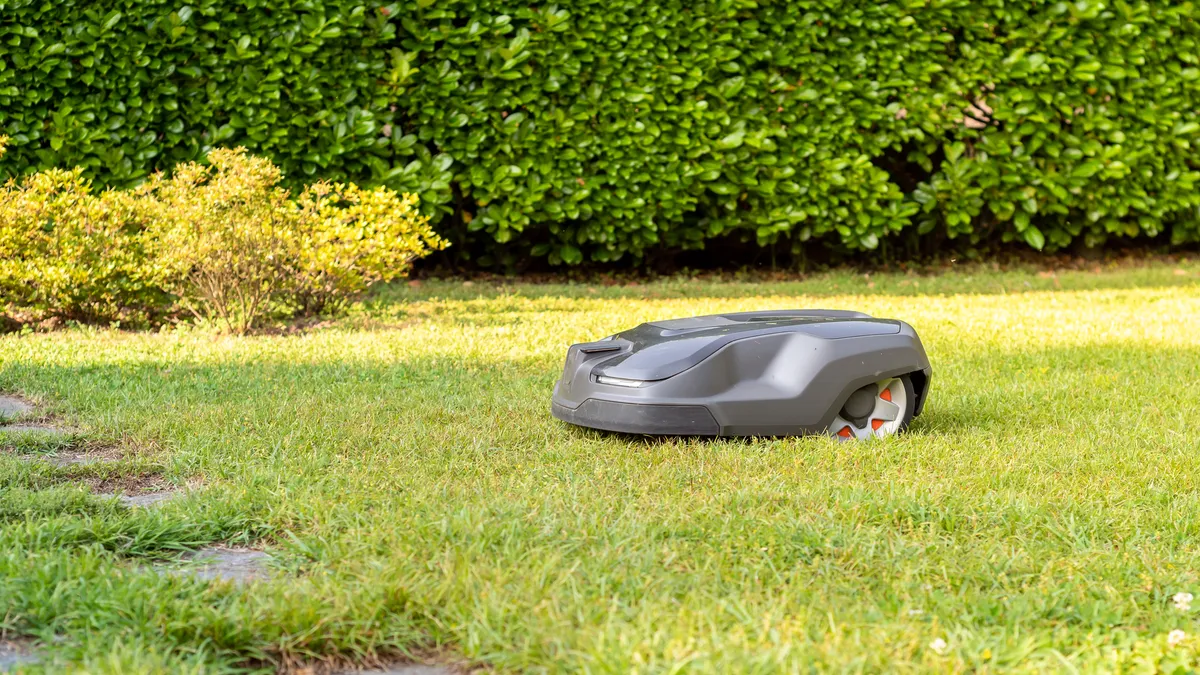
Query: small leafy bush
x=348 y=238
x=67 y=252
x=235 y=246
x=219 y=236
x=224 y=241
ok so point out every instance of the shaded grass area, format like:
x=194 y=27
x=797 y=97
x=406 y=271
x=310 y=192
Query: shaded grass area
x=954 y=278
x=402 y=467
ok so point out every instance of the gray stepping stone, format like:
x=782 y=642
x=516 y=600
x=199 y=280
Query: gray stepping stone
x=32 y=429
x=10 y=406
x=403 y=669
x=239 y=565
x=145 y=500
x=13 y=655
x=74 y=458
x=65 y=459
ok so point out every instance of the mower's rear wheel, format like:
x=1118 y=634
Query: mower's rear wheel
x=890 y=402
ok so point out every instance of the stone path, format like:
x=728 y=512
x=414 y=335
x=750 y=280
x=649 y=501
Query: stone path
x=238 y=565
x=13 y=407
x=14 y=655
x=139 y=492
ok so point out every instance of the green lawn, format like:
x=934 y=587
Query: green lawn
x=402 y=467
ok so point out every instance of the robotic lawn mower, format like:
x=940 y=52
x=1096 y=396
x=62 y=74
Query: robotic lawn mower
x=749 y=374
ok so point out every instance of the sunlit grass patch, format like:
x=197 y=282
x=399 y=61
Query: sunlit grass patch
x=403 y=470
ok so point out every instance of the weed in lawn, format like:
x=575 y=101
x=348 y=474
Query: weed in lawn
x=416 y=496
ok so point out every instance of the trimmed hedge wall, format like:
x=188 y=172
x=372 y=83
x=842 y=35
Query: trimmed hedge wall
x=598 y=129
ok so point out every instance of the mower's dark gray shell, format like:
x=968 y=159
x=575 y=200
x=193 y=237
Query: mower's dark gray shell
x=743 y=374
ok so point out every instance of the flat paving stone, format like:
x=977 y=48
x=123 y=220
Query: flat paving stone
x=33 y=429
x=14 y=655
x=145 y=500
x=11 y=405
x=402 y=669
x=239 y=565
x=406 y=669
x=65 y=459
x=77 y=458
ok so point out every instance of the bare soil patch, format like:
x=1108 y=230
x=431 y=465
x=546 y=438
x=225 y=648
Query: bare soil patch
x=142 y=490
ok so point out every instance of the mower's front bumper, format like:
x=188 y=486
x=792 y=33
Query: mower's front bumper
x=639 y=418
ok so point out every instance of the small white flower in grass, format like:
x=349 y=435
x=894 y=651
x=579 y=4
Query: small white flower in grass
x=1175 y=637
x=1183 y=601
x=916 y=612
x=939 y=646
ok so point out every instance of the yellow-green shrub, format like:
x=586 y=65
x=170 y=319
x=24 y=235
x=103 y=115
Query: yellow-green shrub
x=218 y=236
x=235 y=246
x=222 y=240
x=348 y=238
x=70 y=253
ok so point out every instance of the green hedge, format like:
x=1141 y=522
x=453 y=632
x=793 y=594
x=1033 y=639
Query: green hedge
x=597 y=129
